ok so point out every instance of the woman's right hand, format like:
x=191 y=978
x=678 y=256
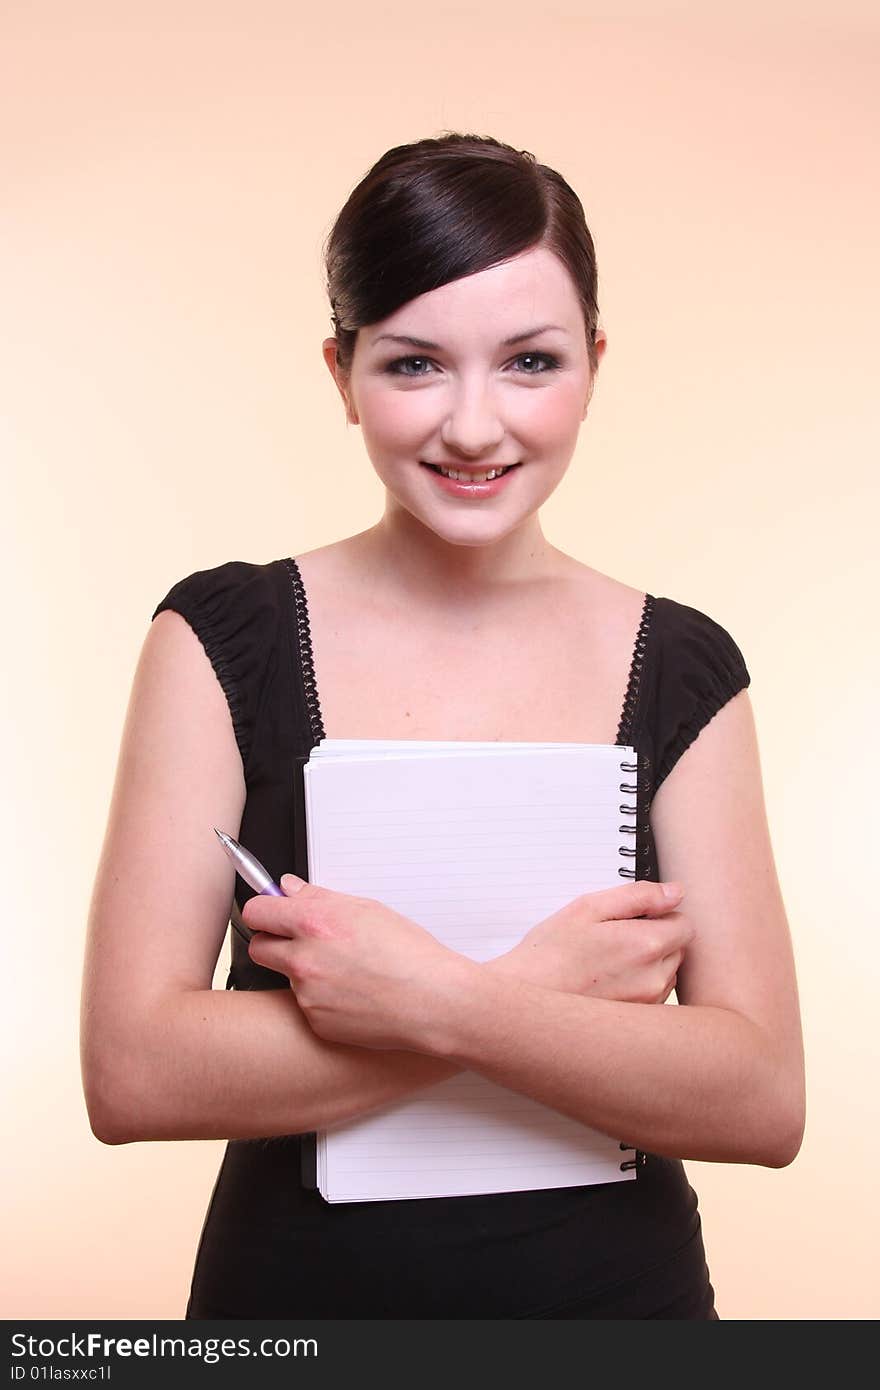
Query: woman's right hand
x=624 y=943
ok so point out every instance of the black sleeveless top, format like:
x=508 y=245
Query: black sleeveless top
x=271 y=1247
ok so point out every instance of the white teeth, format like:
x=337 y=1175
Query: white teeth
x=472 y=477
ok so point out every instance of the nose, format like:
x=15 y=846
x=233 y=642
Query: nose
x=472 y=425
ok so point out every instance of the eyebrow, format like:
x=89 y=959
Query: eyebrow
x=435 y=347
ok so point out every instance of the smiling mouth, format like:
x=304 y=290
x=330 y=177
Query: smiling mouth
x=469 y=475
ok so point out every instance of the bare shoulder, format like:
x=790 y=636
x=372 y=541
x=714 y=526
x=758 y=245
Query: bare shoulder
x=178 y=771
x=618 y=606
x=337 y=562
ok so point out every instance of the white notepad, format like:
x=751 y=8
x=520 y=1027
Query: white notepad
x=476 y=842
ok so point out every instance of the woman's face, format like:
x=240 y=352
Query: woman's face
x=464 y=394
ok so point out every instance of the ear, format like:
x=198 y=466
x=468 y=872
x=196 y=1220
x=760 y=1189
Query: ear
x=328 y=349
x=601 y=342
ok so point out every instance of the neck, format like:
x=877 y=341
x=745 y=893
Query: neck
x=408 y=561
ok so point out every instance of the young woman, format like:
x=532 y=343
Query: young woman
x=462 y=279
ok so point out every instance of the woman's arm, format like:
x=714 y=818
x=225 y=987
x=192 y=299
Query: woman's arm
x=720 y=1076
x=164 y=1056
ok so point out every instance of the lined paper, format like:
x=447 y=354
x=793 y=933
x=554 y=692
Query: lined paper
x=475 y=842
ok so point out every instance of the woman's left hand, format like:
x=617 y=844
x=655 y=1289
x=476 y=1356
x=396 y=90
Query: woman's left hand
x=362 y=973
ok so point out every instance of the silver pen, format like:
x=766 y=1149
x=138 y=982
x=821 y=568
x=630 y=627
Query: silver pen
x=253 y=873
x=248 y=866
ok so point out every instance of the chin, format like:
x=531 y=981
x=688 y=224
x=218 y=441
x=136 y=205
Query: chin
x=471 y=532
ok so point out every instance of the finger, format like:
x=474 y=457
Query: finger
x=681 y=931
x=266 y=912
x=665 y=935
x=263 y=914
x=671 y=962
x=666 y=901
x=270 y=951
x=642 y=898
x=668 y=967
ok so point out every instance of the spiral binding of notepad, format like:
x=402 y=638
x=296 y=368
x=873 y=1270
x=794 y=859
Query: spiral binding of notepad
x=638 y=1159
x=629 y=789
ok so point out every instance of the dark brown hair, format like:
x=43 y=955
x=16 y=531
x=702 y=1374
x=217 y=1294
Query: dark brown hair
x=436 y=210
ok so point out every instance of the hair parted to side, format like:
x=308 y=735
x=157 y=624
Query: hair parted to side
x=438 y=209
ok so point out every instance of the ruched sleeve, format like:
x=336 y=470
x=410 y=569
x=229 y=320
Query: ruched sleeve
x=233 y=610
x=698 y=667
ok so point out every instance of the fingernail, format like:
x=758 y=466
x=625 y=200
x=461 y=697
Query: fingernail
x=291 y=884
x=671 y=890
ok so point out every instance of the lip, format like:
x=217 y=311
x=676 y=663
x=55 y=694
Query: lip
x=458 y=488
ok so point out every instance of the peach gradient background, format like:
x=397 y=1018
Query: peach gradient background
x=170 y=171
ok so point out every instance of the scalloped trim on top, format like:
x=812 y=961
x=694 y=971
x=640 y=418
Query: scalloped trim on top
x=307 y=661
x=633 y=688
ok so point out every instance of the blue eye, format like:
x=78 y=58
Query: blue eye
x=395 y=368
x=546 y=362
x=550 y=363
